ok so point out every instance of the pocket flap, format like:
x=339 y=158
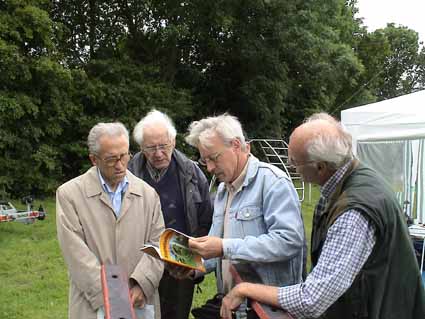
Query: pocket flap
x=248 y=213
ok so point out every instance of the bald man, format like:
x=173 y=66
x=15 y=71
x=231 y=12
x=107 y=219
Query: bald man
x=362 y=257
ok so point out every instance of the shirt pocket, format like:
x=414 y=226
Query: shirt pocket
x=249 y=221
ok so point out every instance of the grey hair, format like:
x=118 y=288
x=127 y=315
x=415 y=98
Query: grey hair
x=114 y=129
x=333 y=145
x=226 y=126
x=152 y=118
x=321 y=116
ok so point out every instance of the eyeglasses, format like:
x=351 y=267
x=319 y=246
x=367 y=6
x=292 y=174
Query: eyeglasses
x=212 y=158
x=293 y=164
x=111 y=161
x=152 y=149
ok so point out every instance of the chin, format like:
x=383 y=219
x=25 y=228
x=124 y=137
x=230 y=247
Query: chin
x=161 y=165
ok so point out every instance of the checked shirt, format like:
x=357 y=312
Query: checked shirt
x=348 y=244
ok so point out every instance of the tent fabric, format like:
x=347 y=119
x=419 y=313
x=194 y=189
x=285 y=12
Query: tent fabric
x=389 y=136
x=402 y=118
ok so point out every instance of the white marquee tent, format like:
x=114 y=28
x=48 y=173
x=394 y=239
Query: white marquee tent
x=390 y=137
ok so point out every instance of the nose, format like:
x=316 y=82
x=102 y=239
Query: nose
x=210 y=166
x=119 y=164
x=157 y=152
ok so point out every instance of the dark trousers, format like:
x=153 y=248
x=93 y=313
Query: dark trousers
x=175 y=297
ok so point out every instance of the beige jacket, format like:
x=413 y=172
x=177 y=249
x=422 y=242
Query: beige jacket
x=90 y=235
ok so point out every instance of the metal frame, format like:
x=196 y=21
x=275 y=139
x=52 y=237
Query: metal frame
x=275 y=152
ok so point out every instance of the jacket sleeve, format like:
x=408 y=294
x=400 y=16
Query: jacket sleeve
x=284 y=231
x=148 y=271
x=83 y=265
x=205 y=212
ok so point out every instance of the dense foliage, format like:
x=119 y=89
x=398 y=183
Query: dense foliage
x=66 y=65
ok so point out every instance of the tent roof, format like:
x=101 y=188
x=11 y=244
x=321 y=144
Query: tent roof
x=402 y=117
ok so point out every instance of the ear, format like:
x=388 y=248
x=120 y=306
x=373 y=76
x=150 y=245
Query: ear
x=236 y=144
x=93 y=159
x=321 y=166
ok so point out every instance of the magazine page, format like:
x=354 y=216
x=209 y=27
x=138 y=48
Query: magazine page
x=174 y=248
x=151 y=250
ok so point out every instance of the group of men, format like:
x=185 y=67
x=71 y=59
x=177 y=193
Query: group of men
x=363 y=261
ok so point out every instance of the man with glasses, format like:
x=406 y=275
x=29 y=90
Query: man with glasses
x=103 y=217
x=362 y=256
x=183 y=191
x=257 y=217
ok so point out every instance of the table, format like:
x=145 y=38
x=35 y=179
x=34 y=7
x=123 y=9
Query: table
x=418 y=231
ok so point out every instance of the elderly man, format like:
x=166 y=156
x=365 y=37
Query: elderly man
x=183 y=191
x=103 y=217
x=256 y=210
x=363 y=262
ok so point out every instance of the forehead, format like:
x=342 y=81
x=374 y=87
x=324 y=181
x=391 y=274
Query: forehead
x=155 y=134
x=113 y=144
x=211 y=144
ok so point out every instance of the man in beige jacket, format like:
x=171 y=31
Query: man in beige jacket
x=103 y=217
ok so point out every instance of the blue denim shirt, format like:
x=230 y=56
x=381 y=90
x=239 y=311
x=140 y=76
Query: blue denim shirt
x=265 y=226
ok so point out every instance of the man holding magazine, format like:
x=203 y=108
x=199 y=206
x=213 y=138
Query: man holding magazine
x=256 y=210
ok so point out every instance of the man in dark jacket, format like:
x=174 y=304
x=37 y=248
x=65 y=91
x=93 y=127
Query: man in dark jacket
x=363 y=261
x=184 y=196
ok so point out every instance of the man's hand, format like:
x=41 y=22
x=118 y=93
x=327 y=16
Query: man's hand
x=179 y=272
x=231 y=301
x=207 y=246
x=137 y=296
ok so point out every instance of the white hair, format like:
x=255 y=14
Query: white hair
x=321 y=116
x=225 y=126
x=114 y=129
x=152 y=118
x=333 y=145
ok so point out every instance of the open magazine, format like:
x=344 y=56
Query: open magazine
x=174 y=248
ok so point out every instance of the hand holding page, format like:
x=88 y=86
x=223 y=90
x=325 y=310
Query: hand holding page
x=174 y=249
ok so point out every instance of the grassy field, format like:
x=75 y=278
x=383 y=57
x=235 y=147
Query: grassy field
x=33 y=277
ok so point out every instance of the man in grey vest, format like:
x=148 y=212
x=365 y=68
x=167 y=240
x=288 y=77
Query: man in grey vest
x=362 y=256
x=183 y=191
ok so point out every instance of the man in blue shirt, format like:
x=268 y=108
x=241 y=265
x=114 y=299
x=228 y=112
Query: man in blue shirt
x=256 y=210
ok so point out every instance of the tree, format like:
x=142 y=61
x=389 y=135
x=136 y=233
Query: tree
x=392 y=61
x=35 y=99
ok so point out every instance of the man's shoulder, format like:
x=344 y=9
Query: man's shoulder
x=183 y=160
x=188 y=166
x=138 y=186
x=78 y=180
x=268 y=170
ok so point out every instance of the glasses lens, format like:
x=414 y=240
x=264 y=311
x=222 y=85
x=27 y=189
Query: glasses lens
x=123 y=158
x=153 y=149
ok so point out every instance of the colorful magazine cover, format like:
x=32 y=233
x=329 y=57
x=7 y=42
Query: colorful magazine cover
x=174 y=248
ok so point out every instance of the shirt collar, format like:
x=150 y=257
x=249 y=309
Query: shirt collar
x=156 y=174
x=122 y=186
x=237 y=183
x=330 y=186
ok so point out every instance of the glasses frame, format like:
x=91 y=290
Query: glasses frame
x=212 y=158
x=292 y=164
x=160 y=147
x=111 y=161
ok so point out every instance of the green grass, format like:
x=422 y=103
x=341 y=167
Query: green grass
x=33 y=276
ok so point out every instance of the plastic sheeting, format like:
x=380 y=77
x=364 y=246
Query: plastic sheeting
x=389 y=136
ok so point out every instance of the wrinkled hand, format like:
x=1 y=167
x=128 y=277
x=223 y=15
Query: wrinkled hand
x=137 y=296
x=207 y=246
x=179 y=272
x=231 y=301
